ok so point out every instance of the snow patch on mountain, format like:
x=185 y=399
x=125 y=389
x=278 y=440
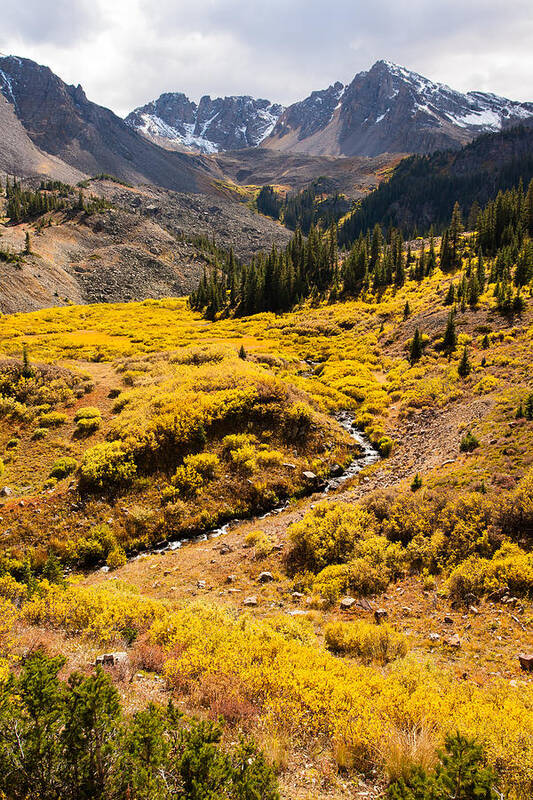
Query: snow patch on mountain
x=214 y=125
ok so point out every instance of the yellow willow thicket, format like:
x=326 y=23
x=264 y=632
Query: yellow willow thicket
x=283 y=669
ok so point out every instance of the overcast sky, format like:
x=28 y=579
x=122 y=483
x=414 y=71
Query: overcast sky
x=126 y=52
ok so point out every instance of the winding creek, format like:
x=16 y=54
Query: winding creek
x=368 y=455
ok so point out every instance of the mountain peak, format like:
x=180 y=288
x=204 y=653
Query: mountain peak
x=221 y=123
x=391 y=109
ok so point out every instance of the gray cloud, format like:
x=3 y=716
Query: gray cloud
x=129 y=51
x=61 y=23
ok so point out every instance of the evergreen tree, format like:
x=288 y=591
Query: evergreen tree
x=459 y=775
x=416 y=347
x=450 y=336
x=449 y=300
x=456 y=228
x=464 y=367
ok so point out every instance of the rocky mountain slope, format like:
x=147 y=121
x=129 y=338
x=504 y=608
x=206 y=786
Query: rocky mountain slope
x=20 y=156
x=62 y=123
x=390 y=109
x=145 y=246
x=222 y=123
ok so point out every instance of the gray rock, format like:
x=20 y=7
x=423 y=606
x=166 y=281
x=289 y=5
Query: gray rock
x=5 y=491
x=434 y=637
x=265 y=577
x=347 y=603
x=309 y=476
x=336 y=471
x=250 y=601
x=380 y=614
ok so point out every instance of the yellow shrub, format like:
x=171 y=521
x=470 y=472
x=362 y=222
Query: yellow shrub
x=187 y=480
x=358 y=576
x=116 y=558
x=206 y=464
x=369 y=642
x=106 y=466
x=328 y=534
x=486 y=385
x=270 y=458
x=510 y=566
x=8 y=615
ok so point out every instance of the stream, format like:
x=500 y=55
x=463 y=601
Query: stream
x=368 y=455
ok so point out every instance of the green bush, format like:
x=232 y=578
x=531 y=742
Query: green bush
x=63 y=467
x=73 y=740
x=468 y=443
x=39 y=433
x=460 y=774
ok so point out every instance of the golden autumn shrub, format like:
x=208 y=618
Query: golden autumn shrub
x=328 y=534
x=510 y=566
x=364 y=640
x=106 y=466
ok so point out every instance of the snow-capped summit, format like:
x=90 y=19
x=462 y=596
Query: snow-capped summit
x=222 y=123
x=391 y=109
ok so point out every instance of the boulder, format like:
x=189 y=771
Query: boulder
x=434 y=637
x=265 y=577
x=526 y=661
x=454 y=641
x=5 y=491
x=380 y=614
x=347 y=603
x=309 y=476
x=250 y=601
x=200 y=584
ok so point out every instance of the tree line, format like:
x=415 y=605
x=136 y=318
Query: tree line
x=423 y=189
x=25 y=204
x=316 y=205
x=502 y=244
